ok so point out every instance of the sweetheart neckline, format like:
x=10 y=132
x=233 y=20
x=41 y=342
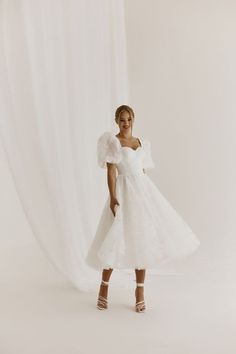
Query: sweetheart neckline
x=141 y=146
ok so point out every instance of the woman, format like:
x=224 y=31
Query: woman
x=138 y=228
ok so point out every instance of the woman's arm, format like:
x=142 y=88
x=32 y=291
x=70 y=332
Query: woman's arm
x=111 y=181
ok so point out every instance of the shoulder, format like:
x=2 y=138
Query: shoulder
x=108 y=138
x=145 y=142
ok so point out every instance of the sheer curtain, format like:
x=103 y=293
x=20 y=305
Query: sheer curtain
x=63 y=73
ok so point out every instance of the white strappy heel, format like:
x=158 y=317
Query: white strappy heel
x=140 y=306
x=102 y=303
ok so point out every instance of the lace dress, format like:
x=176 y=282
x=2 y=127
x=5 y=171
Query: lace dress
x=146 y=230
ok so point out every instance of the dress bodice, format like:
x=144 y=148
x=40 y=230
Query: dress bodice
x=131 y=161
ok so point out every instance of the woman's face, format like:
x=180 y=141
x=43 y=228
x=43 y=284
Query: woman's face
x=125 y=122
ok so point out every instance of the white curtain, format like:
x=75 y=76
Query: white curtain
x=63 y=73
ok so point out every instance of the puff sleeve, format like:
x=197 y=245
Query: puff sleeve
x=148 y=162
x=108 y=149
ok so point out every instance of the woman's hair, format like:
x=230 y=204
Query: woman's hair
x=121 y=109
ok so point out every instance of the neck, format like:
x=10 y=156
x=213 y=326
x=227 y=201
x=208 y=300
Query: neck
x=125 y=135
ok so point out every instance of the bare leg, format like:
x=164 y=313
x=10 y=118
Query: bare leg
x=140 y=277
x=106 y=273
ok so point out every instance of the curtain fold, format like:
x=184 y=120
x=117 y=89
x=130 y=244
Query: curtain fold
x=63 y=72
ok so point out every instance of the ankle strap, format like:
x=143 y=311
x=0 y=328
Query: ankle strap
x=140 y=284
x=105 y=282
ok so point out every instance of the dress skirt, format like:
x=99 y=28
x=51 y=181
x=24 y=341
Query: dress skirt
x=145 y=232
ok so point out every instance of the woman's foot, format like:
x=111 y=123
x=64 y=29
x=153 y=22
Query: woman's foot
x=139 y=293
x=102 y=296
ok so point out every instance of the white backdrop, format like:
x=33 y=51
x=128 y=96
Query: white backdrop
x=63 y=73
x=182 y=78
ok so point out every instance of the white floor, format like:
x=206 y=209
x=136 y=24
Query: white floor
x=192 y=312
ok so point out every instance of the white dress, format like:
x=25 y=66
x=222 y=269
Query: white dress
x=146 y=230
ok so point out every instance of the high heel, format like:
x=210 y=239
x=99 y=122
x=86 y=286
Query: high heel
x=139 y=306
x=102 y=303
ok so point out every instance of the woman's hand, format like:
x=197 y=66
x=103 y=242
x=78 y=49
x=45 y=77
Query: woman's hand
x=113 y=203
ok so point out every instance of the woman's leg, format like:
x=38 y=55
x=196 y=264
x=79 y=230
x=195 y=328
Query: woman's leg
x=140 y=277
x=106 y=273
